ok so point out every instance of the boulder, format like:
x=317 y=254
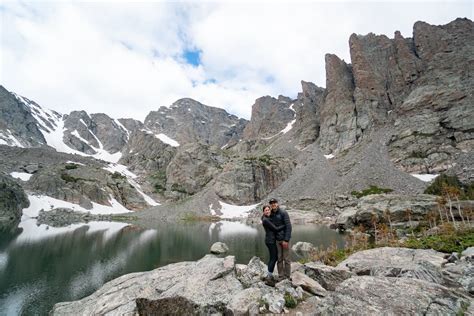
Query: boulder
x=246 y=302
x=469 y=252
x=397 y=262
x=391 y=296
x=202 y=287
x=328 y=277
x=460 y=275
x=255 y=271
x=12 y=201
x=275 y=302
x=286 y=287
x=219 y=248
x=303 y=249
x=307 y=284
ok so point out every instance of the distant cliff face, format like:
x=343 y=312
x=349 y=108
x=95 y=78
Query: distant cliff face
x=401 y=106
x=420 y=85
x=188 y=121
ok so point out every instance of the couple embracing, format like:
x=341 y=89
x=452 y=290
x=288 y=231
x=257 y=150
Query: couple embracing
x=277 y=225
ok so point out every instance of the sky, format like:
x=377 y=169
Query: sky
x=129 y=58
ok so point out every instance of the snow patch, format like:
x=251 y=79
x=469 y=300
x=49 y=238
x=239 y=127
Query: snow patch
x=167 y=140
x=76 y=134
x=23 y=176
x=10 y=140
x=232 y=211
x=425 y=177
x=330 y=156
x=39 y=202
x=76 y=163
x=288 y=127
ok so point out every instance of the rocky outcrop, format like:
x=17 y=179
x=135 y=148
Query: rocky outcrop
x=395 y=209
x=307 y=107
x=193 y=166
x=434 y=122
x=12 y=201
x=214 y=285
x=202 y=287
x=188 y=121
x=329 y=277
x=397 y=262
x=338 y=115
x=82 y=184
x=18 y=126
x=90 y=133
x=382 y=295
x=249 y=180
x=269 y=117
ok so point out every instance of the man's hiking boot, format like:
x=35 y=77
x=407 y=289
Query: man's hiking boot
x=270 y=281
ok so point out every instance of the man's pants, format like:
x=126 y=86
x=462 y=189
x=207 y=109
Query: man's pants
x=283 y=263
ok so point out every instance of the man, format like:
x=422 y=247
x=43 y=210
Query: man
x=280 y=217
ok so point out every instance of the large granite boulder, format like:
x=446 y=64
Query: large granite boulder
x=372 y=295
x=328 y=277
x=206 y=286
x=12 y=201
x=397 y=262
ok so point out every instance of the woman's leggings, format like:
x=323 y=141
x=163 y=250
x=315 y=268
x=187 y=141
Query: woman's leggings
x=272 y=248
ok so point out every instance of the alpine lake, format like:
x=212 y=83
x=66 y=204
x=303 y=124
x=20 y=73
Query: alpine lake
x=43 y=265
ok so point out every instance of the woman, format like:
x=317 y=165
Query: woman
x=270 y=240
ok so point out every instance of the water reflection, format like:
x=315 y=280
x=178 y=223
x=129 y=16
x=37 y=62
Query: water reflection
x=44 y=265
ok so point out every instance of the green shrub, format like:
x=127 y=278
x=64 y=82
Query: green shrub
x=266 y=159
x=373 y=189
x=71 y=166
x=445 y=181
x=68 y=178
x=418 y=154
x=118 y=175
x=290 y=302
x=455 y=241
x=178 y=188
x=159 y=181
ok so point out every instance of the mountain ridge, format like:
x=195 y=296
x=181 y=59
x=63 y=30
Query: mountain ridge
x=402 y=106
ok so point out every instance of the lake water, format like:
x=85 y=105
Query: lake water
x=42 y=265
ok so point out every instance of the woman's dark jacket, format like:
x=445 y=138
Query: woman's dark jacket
x=270 y=230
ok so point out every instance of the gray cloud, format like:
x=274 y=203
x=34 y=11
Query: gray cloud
x=125 y=58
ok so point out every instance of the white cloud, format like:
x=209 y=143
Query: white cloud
x=125 y=58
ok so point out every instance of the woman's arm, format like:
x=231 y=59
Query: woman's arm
x=266 y=222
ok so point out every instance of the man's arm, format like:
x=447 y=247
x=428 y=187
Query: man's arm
x=286 y=220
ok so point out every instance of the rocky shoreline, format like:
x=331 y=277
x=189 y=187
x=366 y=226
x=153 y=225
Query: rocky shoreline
x=371 y=282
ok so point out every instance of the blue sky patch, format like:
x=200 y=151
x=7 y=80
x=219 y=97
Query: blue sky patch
x=192 y=57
